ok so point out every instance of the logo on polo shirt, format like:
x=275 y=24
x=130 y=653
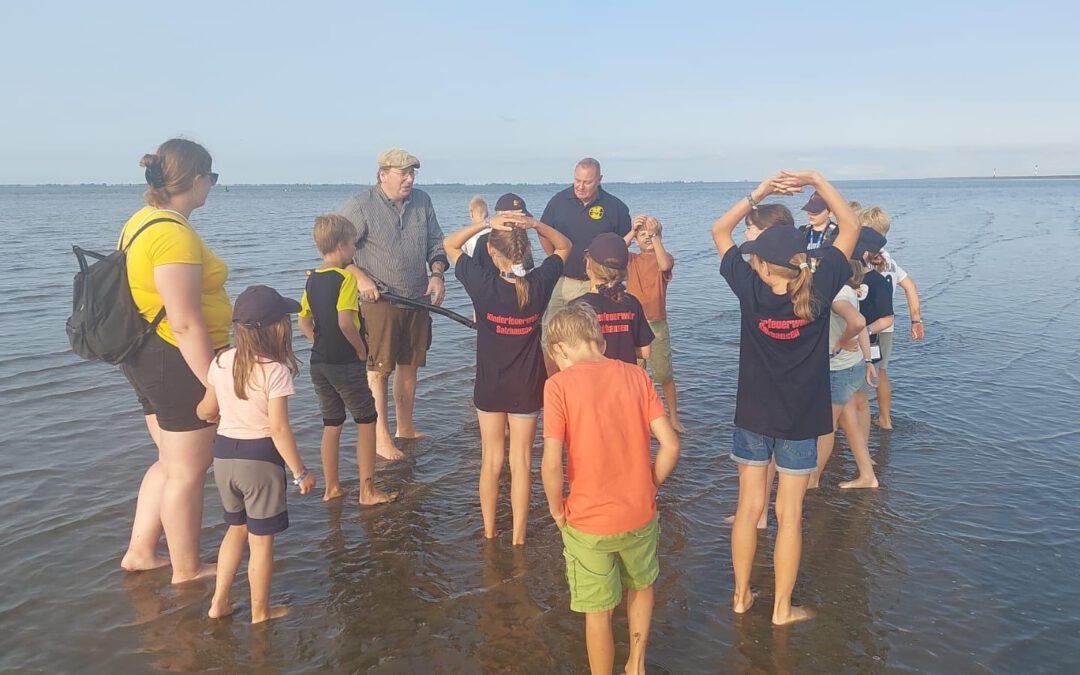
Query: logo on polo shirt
x=596 y=212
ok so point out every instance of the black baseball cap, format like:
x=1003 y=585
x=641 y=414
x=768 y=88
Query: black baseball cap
x=777 y=244
x=609 y=249
x=262 y=306
x=511 y=202
x=816 y=204
x=870 y=241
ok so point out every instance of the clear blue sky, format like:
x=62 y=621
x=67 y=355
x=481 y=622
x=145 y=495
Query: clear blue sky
x=500 y=91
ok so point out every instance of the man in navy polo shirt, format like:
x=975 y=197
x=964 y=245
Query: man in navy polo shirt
x=580 y=212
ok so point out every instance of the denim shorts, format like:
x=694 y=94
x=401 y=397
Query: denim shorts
x=844 y=383
x=797 y=458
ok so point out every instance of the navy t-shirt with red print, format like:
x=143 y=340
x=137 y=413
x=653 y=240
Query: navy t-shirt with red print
x=510 y=371
x=623 y=324
x=784 y=360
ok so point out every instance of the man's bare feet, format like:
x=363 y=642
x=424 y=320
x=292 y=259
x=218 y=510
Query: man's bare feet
x=677 y=425
x=762 y=523
x=205 y=572
x=276 y=612
x=884 y=423
x=742 y=605
x=376 y=497
x=385 y=448
x=220 y=610
x=860 y=482
x=332 y=493
x=132 y=563
x=794 y=615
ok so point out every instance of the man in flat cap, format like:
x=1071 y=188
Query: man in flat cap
x=400 y=245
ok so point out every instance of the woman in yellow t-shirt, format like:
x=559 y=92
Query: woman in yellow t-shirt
x=170 y=267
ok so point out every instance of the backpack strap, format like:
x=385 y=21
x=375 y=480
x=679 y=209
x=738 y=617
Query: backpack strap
x=139 y=231
x=161 y=312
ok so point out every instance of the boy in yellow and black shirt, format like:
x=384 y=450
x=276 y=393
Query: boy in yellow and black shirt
x=330 y=316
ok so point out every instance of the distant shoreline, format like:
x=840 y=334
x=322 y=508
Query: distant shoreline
x=648 y=182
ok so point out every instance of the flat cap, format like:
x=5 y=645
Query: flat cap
x=396 y=158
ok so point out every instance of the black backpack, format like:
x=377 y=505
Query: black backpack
x=105 y=325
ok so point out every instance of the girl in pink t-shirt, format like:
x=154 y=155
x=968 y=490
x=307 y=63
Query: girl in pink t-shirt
x=247 y=390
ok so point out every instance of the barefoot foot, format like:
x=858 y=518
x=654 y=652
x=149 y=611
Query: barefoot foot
x=220 y=609
x=204 y=572
x=133 y=563
x=794 y=615
x=385 y=448
x=276 y=612
x=742 y=604
x=860 y=482
x=413 y=435
x=332 y=493
x=884 y=423
x=376 y=497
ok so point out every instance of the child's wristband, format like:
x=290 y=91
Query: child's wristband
x=300 y=478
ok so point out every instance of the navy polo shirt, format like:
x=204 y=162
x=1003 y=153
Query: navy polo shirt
x=580 y=223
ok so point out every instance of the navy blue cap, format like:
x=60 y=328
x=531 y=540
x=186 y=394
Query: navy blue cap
x=777 y=244
x=609 y=249
x=511 y=202
x=816 y=204
x=261 y=306
x=870 y=241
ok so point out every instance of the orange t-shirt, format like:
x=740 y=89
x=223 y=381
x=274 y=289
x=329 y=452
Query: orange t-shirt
x=648 y=284
x=602 y=410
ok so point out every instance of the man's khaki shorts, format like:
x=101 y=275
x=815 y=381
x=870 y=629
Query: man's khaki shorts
x=395 y=335
x=566 y=291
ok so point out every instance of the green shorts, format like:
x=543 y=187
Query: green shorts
x=599 y=565
x=660 y=353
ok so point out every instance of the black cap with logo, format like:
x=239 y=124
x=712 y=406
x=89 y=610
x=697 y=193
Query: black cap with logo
x=777 y=245
x=511 y=202
x=260 y=306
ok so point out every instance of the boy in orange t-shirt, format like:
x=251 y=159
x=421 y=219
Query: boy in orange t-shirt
x=647 y=277
x=601 y=411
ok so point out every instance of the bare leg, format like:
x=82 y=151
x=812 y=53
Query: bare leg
x=672 y=399
x=260 y=569
x=763 y=521
x=522 y=433
x=384 y=442
x=228 y=561
x=328 y=450
x=884 y=400
x=493 y=454
x=365 y=461
x=860 y=450
x=862 y=400
x=825 y=445
x=404 y=402
x=146 y=529
x=185 y=455
x=744 y=532
x=788 y=551
x=600 y=642
x=639 y=607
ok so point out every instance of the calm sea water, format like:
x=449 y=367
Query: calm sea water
x=964 y=561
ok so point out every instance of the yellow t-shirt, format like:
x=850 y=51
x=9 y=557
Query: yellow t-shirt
x=170 y=243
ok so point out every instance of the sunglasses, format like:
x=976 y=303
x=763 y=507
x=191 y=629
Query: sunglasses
x=213 y=178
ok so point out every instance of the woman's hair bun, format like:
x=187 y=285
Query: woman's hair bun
x=155 y=177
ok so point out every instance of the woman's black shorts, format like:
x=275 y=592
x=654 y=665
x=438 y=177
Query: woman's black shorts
x=165 y=385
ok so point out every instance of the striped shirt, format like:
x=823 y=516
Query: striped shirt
x=396 y=247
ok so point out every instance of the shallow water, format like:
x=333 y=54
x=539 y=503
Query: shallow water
x=963 y=561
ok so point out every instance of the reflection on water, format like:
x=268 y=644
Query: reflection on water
x=961 y=562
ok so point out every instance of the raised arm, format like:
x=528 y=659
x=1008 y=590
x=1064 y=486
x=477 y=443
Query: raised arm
x=664 y=260
x=846 y=219
x=560 y=244
x=456 y=241
x=725 y=224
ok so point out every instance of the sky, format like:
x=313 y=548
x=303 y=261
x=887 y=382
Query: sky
x=518 y=92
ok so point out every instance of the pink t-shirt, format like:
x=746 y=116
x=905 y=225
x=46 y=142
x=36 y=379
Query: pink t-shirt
x=247 y=419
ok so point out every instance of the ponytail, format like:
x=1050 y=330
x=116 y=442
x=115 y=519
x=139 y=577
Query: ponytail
x=801 y=288
x=609 y=280
x=514 y=246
